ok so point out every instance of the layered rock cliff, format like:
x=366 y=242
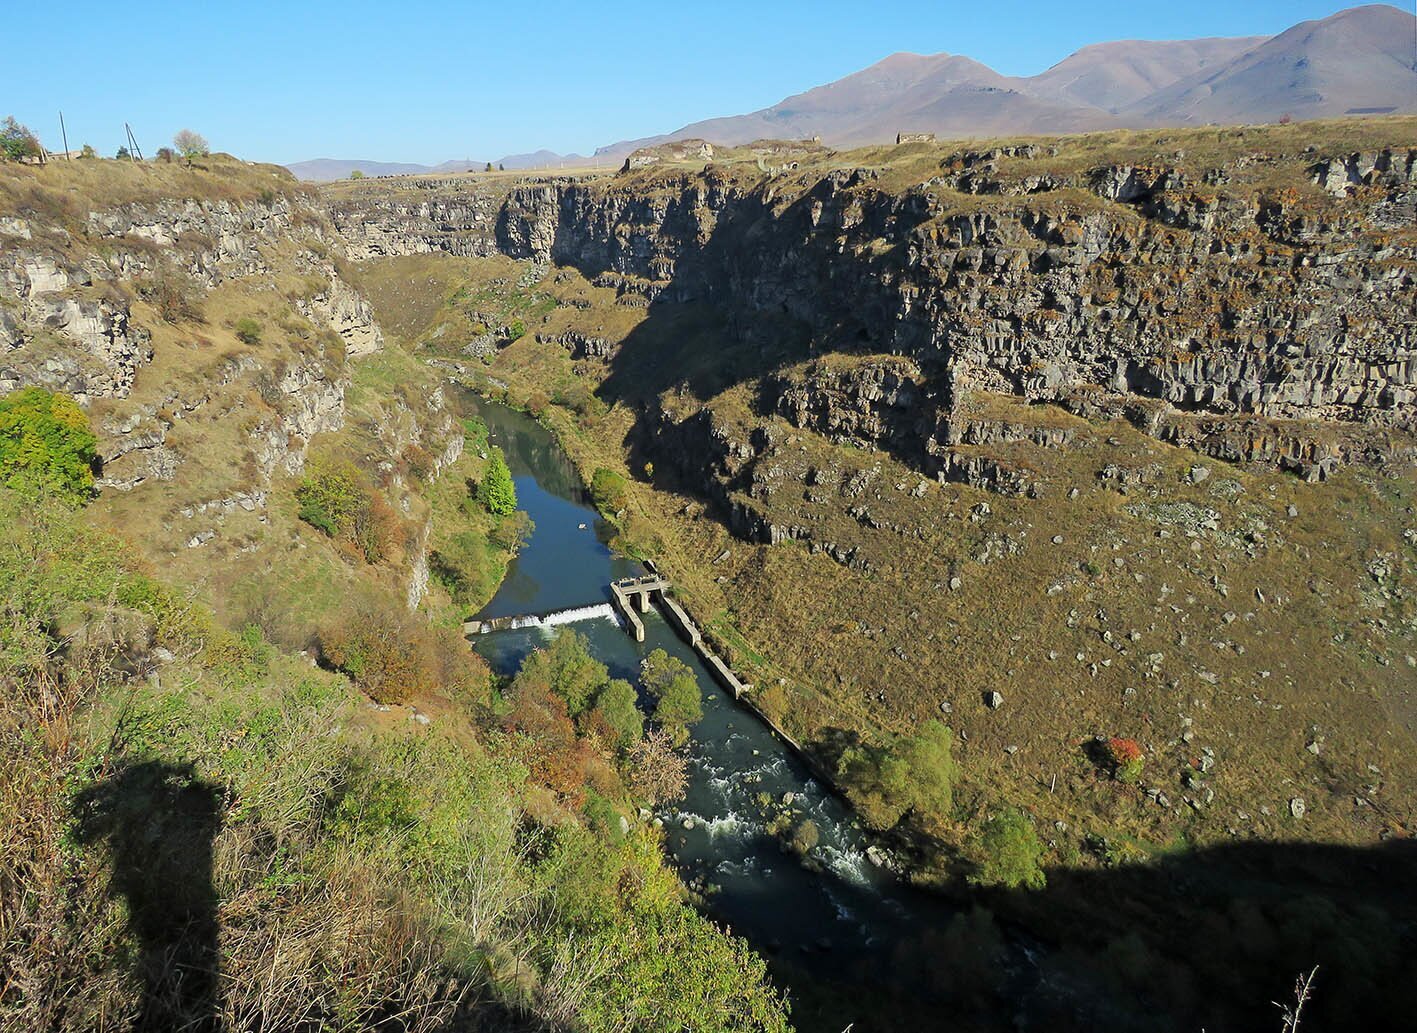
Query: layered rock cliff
x=1236 y=304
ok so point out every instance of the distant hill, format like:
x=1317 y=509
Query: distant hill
x=1112 y=76
x=1354 y=62
x=323 y=170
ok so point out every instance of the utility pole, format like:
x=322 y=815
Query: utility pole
x=134 y=152
x=64 y=134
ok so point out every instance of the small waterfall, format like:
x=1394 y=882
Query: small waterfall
x=572 y=616
x=580 y=613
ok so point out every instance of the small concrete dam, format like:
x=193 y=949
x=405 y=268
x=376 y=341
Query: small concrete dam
x=630 y=598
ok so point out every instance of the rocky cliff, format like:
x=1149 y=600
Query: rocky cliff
x=1254 y=300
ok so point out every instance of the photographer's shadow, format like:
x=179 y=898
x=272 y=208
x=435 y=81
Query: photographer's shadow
x=159 y=822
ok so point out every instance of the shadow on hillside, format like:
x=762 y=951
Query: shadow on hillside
x=158 y=822
x=1207 y=939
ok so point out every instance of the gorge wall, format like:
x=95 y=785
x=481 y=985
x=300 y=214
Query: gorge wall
x=1254 y=304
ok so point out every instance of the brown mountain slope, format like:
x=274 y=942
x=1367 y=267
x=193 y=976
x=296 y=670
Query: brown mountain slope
x=1356 y=59
x=1112 y=76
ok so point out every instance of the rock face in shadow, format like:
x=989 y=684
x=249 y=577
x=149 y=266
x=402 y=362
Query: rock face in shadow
x=1208 y=306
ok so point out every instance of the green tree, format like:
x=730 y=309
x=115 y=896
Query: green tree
x=1007 y=851
x=122 y=154
x=497 y=492
x=876 y=782
x=567 y=667
x=46 y=445
x=616 y=705
x=671 y=682
x=607 y=490
x=914 y=772
x=17 y=141
x=356 y=174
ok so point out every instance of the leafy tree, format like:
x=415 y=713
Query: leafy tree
x=617 y=707
x=671 y=682
x=88 y=151
x=166 y=154
x=190 y=145
x=876 y=782
x=497 y=492
x=356 y=174
x=907 y=772
x=488 y=168
x=1007 y=851
x=17 y=141
x=568 y=669
x=335 y=498
x=46 y=445
x=512 y=531
x=607 y=490
x=122 y=154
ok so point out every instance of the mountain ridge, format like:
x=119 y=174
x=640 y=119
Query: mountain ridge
x=1358 y=60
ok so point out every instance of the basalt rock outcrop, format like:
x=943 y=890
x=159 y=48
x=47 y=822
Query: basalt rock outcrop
x=1261 y=307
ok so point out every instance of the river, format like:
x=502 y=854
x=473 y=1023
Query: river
x=815 y=918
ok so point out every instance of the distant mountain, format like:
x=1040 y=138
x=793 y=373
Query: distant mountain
x=1112 y=76
x=323 y=170
x=1359 y=61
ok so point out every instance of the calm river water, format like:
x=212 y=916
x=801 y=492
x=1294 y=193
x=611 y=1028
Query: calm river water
x=835 y=912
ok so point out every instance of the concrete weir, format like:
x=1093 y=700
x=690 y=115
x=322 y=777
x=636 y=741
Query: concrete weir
x=635 y=593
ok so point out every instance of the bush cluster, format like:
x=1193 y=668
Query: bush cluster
x=394 y=656
x=338 y=500
x=906 y=773
x=608 y=490
x=46 y=446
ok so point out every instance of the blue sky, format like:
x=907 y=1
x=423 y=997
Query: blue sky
x=419 y=81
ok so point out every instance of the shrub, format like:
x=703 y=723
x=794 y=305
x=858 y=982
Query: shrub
x=176 y=296
x=672 y=683
x=1007 y=851
x=336 y=499
x=46 y=445
x=393 y=656
x=248 y=330
x=17 y=141
x=497 y=492
x=607 y=490
x=166 y=154
x=356 y=174
x=88 y=151
x=1124 y=758
x=804 y=837
x=907 y=772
